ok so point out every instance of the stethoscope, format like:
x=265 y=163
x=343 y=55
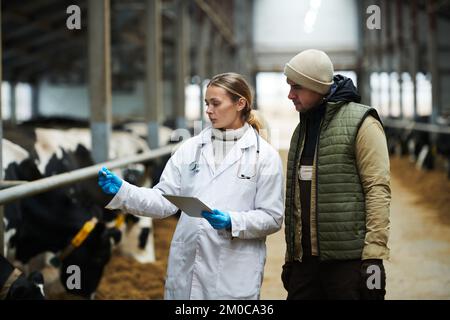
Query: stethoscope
x=195 y=167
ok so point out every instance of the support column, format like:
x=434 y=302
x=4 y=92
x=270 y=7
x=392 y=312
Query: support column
x=399 y=52
x=100 y=77
x=433 y=60
x=34 y=99
x=153 y=89
x=230 y=59
x=215 y=43
x=363 y=65
x=205 y=34
x=433 y=65
x=388 y=50
x=13 y=102
x=374 y=48
x=380 y=56
x=243 y=14
x=220 y=55
x=181 y=62
x=414 y=61
x=153 y=72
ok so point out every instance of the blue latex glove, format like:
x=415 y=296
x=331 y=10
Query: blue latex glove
x=108 y=181
x=218 y=219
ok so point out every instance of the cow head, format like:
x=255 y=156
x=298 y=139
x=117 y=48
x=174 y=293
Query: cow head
x=137 y=174
x=15 y=286
x=91 y=258
x=27 y=288
x=50 y=220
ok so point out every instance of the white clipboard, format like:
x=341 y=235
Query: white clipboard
x=193 y=207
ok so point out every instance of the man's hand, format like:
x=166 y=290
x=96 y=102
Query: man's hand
x=373 y=280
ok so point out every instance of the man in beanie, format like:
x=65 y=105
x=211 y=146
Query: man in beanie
x=338 y=188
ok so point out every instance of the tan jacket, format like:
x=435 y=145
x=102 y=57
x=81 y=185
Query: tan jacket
x=372 y=159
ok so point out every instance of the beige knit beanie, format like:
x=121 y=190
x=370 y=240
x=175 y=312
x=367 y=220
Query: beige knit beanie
x=311 y=69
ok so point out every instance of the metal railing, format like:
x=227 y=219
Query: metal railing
x=46 y=184
x=412 y=125
x=11 y=183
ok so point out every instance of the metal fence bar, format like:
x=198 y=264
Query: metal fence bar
x=60 y=180
x=411 y=125
x=11 y=183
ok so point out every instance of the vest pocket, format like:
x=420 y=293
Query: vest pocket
x=239 y=275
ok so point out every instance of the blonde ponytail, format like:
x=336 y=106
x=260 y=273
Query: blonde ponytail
x=258 y=122
x=253 y=120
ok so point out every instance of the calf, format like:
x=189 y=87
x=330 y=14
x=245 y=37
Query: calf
x=77 y=141
x=49 y=221
x=53 y=151
x=419 y=145
x=15 y=286
x=443 y=148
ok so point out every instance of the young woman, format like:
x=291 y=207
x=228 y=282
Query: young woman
x=235 y=172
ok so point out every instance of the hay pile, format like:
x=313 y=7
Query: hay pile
x=125 y=278
x=432 y=188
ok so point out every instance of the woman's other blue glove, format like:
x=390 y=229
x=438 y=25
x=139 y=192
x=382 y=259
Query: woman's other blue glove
x=108 y=181
x=218 y=219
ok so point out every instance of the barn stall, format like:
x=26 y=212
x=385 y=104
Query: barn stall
x=125 y=63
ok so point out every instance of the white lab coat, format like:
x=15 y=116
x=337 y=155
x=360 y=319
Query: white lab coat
x=205 y=263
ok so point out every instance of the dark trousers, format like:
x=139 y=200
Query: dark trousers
x=334 y=280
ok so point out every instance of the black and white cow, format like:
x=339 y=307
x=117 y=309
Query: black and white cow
x=419 y=145
x=406 y=141
x=15 y=286
x=396 y=139
x=33 y=226
x=48 y=222
x=443 y=142
x=137 y=235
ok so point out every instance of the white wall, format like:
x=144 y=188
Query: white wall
x=74 y=101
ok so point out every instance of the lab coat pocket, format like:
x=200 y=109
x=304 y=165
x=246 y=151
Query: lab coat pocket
x=242 y=192
x=239 y=275
x=175 y=278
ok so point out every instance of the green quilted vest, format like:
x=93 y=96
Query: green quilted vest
x=340 y=201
